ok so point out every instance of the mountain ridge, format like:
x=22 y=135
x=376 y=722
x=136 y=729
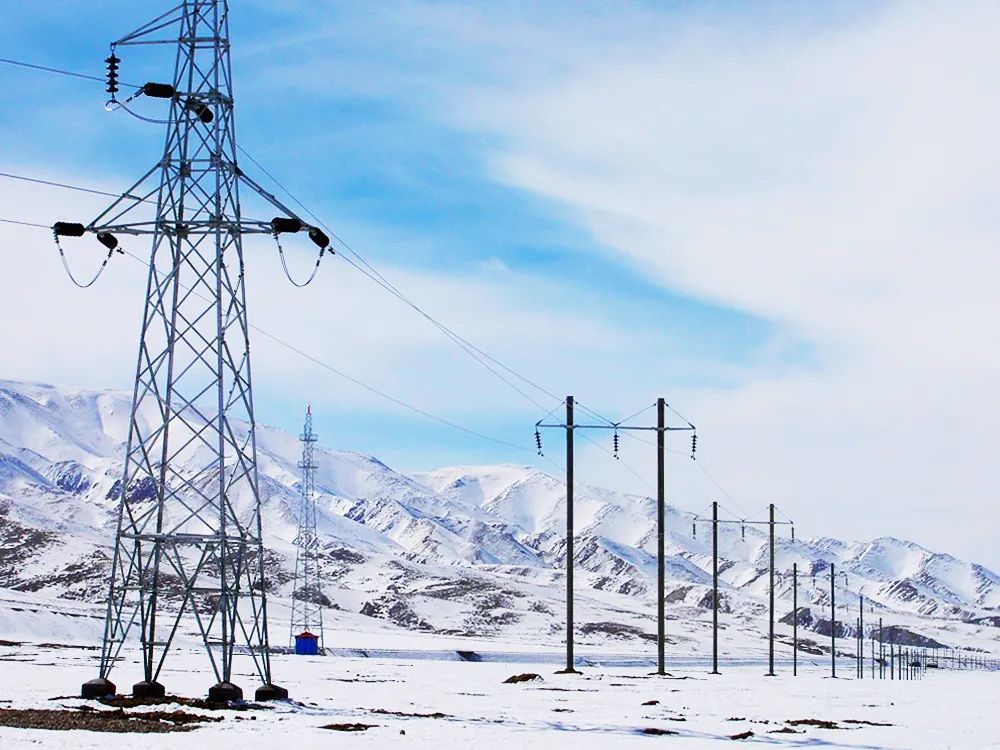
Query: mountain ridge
x=464 y=549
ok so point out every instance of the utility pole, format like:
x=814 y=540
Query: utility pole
x=881 y=651
x=661 y=501
x=857 y=649
x=861 y=635
x=770 y=591
x=833 y=623
x=570 y=668
x=872 y=641
x=307 y=595
x=715 y=587
x=179 y=524
x=795 y=619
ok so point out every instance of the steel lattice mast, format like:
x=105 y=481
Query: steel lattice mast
x=189 y=540
x=307 y=597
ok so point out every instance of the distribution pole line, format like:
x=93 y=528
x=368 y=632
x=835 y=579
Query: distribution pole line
x=771 y=523
x=570 y=426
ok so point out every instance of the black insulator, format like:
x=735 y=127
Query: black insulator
x=319 y=238
x=694 y=528
x=68 y=229
x=159 y=90
x=108 y=240
x=793 y=533
x=694 y=443
x=743 y=532
x=201 y=110
x=284 y=225
x=538 y=442
x=112 y=63
x=616 y=444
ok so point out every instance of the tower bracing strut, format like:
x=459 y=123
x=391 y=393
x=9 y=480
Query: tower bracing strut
x=188 y=553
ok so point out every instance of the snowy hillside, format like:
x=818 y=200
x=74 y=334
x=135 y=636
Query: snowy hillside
x=470 y=551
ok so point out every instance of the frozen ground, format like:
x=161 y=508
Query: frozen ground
x=603 y=707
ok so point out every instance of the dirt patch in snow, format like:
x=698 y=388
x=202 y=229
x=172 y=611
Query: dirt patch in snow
x=127 y=701
x=93 y=720
x=349 y=727
x=405 y=715
x=818 y=723
x=526 y=677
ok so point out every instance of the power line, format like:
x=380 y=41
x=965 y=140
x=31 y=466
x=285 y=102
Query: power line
x=370 y=388
x=486 y=360
x=67 y=186
x=366 y=268
x=60 y=71
x=25 y=223
x=326 y=366
x=482 y=357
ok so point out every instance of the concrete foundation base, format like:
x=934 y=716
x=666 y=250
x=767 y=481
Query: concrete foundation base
x=99 y=688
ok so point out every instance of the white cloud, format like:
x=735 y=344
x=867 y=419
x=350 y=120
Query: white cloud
x=842 y=183
x=838 y=180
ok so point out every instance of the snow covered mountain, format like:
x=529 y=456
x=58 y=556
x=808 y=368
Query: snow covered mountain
x=475 y=551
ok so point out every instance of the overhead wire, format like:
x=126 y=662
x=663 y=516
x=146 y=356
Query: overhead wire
x=370 y=388
x=78 y=188
x=60 y=71
x=325 y=365
x=363 y=266
x=486 y=360
x=25 y=223
x=461 y=341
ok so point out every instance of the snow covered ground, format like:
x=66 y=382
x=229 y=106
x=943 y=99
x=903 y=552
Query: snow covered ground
x=438 y=704
x=417 y=569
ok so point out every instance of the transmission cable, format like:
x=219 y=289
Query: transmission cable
x=60 y=71
x=364 y=267
x=474 y=351
x=51 y=183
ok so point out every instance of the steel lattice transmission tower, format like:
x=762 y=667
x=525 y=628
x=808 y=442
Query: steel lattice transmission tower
x=307 y=595
x=189 y=542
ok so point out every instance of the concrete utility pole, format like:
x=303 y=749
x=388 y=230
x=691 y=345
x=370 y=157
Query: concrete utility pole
x=715 y=587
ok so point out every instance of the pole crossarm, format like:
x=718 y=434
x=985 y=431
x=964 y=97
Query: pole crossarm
x=613 y=427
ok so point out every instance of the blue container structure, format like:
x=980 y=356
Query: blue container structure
x=307 y=644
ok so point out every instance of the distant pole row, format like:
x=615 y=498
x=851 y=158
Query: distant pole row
x=889 y=661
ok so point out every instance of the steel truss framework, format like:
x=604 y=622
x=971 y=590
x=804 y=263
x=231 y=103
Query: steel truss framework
x=189 y=526
x=307 y=595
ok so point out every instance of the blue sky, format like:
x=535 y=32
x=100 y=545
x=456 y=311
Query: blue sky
x=707 y=202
